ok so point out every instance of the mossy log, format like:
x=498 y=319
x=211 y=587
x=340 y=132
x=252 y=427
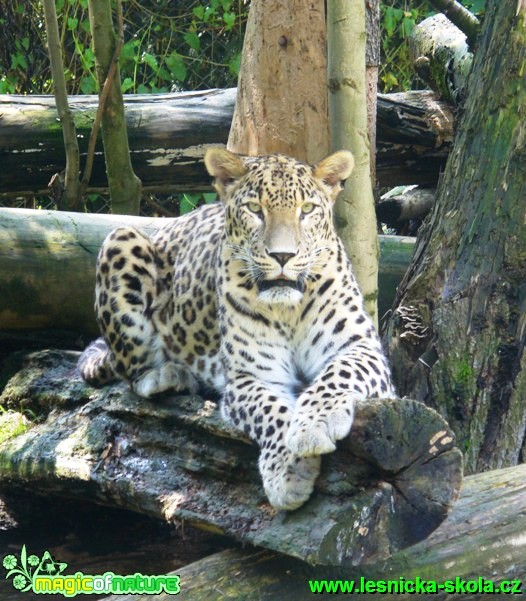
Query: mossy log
x=388 y=485
x=441 y=57
x=168 y=134
x=48 y=273
x=483 y=538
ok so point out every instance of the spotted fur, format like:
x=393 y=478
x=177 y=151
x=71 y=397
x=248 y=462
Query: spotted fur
x=254 y=298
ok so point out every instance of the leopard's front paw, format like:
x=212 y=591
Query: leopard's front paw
x=310 y=435
x=170 y=376
x=288 y=480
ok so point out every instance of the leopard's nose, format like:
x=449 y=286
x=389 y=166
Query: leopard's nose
x=282 y=257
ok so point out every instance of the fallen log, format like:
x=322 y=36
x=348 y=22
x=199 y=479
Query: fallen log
x=400 y=208
x=441 y=57
x=481 y=544
x=168 y=134
x=388 y=485
x=48 y=273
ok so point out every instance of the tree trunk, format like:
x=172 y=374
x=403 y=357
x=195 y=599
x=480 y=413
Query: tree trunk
x=48 y=272
x=372 y=63
x=388 y=485
x=282 y=96
x=458 y=330
x=69 y=198
x=168 y=135
x=480 y=539
x=349 y=130
x=125 y=187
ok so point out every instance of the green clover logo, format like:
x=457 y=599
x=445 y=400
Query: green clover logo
x=25 y=568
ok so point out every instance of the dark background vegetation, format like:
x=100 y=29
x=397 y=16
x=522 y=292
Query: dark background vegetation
x=168 y=47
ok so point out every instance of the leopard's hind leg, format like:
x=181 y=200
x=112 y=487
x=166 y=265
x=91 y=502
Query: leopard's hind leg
x=133 y=306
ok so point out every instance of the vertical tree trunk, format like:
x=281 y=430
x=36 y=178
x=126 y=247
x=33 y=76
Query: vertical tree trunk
x=70 y=200
x=354 y=212
x=458 y=330
x=125 y=187
x=281 y=103
x=372 y=63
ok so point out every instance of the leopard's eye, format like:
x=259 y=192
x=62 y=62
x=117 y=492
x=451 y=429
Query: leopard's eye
x=254 y=207
x=307 y=207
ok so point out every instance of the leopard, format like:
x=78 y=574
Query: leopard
x=252 y=297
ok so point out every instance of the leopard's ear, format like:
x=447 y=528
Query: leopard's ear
x=334 y=170
x=224 y=166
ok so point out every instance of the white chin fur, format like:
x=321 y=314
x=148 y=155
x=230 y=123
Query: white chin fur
x=279 y=295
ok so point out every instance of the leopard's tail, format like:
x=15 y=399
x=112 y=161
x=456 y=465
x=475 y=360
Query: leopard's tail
x=95 y=365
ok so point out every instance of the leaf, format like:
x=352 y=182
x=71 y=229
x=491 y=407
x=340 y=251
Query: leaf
x=209 y=197
x=85 y=26
x=25 y=43
x=150 y=60
x=187 y=204
x=142 y=89
x=18 y=60
x=88 y=58
x=127 y=84
x=175 y=63
x=230 y=20
x=192 y=39
x=199 y=12
x=235 y=64
x=389 y=80
x=72 y=23
x=164 y=75
x=88 y=85
x=128 y=50
x=210 y=12
x=23 y=557
x=407 y=27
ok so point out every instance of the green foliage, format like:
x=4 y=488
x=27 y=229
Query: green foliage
x=188 y=202
x=183 y=45
x=397 y=22
x=168 y=46
x=11 y=424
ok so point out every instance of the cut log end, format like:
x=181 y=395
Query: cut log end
x=385 y=487
x=406 y=453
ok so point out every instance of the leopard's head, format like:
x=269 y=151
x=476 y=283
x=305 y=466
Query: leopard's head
x=278 y=217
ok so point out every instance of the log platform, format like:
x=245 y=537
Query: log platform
x=388 y=485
